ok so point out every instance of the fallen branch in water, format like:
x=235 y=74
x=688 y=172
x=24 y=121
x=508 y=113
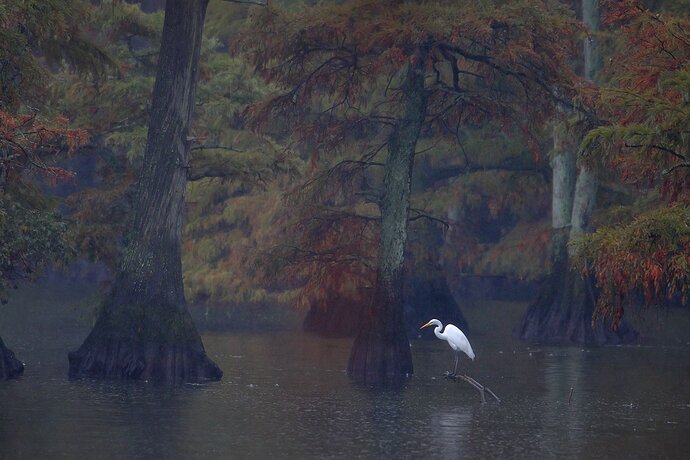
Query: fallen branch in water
x=481 y=388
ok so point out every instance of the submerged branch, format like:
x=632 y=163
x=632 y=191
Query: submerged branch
x=481 y=388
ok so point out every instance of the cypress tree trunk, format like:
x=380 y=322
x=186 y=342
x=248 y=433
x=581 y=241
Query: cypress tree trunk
x=564 y=172
x=10 y=367
x=562 y=312
x=381 y=349
x=144 y=330
x=538 y=323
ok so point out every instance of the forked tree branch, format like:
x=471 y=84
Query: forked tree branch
x=481 y=388
x=421 y=215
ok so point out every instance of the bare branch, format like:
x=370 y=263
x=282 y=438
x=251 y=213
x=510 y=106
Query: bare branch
x=217 y=147
x=457 y=170
x=421 y=215
x=192 y=177
x=250 y=2
x=668 y=171
x=658 y=147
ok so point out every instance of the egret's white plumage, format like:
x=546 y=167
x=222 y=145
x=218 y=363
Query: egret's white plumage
x=455 y=338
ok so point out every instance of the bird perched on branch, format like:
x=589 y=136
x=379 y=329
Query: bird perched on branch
x=455 y=338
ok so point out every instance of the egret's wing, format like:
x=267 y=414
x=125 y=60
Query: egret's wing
x=458 y=341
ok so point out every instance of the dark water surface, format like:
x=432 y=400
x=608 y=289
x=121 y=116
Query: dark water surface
x=286 y=395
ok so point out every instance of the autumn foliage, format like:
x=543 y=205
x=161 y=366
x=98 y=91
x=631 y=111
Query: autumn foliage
x=31 y=236
x=338 y=72
x=330 y=255
x=33 y=137
x=645 y=106
x=646 y=261
x=645 y=109
x=30 y=145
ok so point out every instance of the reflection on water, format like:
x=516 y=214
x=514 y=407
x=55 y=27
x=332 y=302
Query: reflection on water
x=450 y=428
x=286 y=395
x=563 y=374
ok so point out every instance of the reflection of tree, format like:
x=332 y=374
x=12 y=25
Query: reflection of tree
x=450 y=427
x=561 y=373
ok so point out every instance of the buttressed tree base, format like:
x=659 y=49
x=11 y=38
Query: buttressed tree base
x=144 y=330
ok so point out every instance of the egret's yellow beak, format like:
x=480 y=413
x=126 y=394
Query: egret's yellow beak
x=427 y=324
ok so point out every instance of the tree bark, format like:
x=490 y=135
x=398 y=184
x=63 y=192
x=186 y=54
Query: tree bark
x=584 y=200
x=10 y=367
x=592 y=51
x=564 y=172
x=562 y=312
x=381 y=350
x=144 y=330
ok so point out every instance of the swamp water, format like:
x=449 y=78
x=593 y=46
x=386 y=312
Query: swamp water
x=286 y=395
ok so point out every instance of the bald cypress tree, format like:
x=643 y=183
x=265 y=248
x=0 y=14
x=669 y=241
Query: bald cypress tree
x=144 y=330
x=380 y=76
x=562 y=312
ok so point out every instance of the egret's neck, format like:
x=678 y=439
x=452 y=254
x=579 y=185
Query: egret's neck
x=437 y=331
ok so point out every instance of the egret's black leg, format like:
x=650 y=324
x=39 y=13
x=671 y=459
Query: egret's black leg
x=455 y=369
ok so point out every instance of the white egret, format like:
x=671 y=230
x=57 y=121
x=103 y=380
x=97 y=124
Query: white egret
x=455 y=338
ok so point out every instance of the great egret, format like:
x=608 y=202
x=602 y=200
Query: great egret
x=455 y=338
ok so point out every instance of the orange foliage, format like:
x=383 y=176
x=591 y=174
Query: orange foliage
x=645 y=262
x=338 y=71
x=331 y=255
x=646 y=103
x=337 y=66
x=30 y=144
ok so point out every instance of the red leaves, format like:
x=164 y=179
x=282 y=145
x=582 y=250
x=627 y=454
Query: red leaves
x=620 y=12
x=334 y=262
x=344 y=59
x=29 y=144
x=648 y=259
x=646 y=102
x=396 y=55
